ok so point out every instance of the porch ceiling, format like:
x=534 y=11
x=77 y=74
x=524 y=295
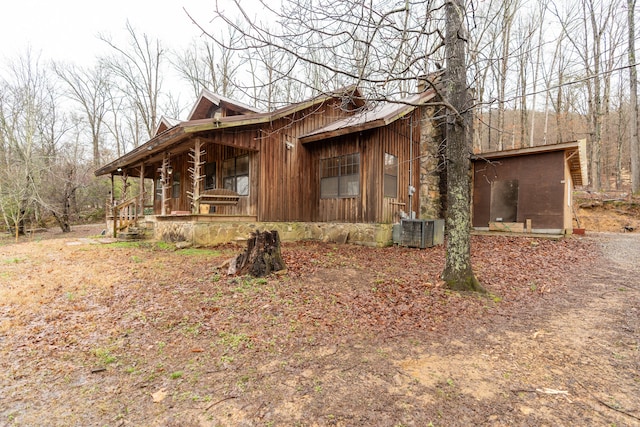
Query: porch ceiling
x=176 y=140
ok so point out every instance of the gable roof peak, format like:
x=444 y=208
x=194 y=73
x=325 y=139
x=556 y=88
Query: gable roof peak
x=207 y=99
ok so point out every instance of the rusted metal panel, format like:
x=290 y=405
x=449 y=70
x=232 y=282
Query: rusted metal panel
x=541 y=182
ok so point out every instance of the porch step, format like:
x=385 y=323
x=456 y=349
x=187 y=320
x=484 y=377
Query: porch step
x=133 y=233
x=130 y=236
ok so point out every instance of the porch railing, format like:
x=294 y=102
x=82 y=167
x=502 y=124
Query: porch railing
x=125 y=213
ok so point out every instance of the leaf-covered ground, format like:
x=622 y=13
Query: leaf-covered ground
x=95 y=333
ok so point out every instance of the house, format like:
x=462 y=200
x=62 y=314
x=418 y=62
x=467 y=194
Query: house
x=331 y=167
x=528 y=189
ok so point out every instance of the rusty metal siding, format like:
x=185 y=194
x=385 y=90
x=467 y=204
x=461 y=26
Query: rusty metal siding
x=541 y=189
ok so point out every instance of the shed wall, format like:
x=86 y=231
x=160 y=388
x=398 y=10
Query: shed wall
x=541 y=193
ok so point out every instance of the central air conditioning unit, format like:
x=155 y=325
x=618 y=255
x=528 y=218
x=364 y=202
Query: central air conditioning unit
x=421 y=233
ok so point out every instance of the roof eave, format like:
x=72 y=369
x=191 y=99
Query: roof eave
x=342 y=131
x=147 y=149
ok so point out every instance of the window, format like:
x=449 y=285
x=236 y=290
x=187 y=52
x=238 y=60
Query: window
x=209 y=176
x=175 y=187
x=159 y=188
x=340 y=176
x=235 y=175
x=390 y=175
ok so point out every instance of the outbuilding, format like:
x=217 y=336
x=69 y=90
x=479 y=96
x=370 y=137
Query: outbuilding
x=528 y=189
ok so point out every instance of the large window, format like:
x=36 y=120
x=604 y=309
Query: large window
x=235 y=174
x=390 y=175
x=210 y=176
x=340 y=176
x=175 y=187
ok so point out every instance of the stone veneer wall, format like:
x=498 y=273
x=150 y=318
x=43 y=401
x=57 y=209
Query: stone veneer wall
x=213 y=233
x=430 y=165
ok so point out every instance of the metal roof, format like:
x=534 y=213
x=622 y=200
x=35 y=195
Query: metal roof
x=381 y=115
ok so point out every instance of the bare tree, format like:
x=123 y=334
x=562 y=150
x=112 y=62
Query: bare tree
x=633 y=83
x=69 y=172
x=482 y=54
x=541 y=12
x=554 y=68
x=370 y=45
x=509 y=9
x=585 y=27
x=139 y=66
x=458 y=272
x=89 y=89
x=24 y=106
x=206 y=64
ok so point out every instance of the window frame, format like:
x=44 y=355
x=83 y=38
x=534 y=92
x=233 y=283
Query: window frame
x=235 y=176
x=176 y=185
x=207 y=169
x=339 y=172
x=158 y=188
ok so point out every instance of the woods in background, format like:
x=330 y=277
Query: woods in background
x=540 y=72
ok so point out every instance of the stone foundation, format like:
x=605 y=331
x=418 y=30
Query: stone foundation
x=214 y=233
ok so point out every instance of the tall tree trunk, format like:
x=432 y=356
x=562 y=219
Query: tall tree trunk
x=619 y=144
x=504 y=64
x=633 y=83
x=559 y=106
x=458 y=273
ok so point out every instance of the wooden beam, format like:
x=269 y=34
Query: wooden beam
x=141 y=190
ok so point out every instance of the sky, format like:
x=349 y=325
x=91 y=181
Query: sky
x=67 y=30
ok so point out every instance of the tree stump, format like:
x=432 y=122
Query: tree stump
x=262 y=255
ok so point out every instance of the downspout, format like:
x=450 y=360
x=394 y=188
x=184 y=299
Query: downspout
x=411 y=189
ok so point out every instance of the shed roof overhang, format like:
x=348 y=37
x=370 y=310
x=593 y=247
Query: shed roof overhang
x=575 y=155
x=174 y=139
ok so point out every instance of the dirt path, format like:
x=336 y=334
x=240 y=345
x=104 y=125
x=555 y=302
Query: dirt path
x=573 y=362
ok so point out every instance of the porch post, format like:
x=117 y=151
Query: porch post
x=165 y=183
x=196 y=175
x=125 y=186
x=112 y=207
x=113 y=189
x=141 y=196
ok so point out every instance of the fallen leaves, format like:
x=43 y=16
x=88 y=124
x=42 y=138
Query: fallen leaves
x=161 y=312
